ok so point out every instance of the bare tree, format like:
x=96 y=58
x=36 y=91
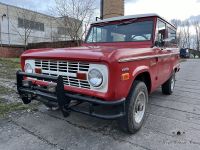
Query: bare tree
x=179 y=35
x=26 y=24
x=55 y=36
x=176 y=22
x=196 y=25
x=186 y=34
x=75 y=16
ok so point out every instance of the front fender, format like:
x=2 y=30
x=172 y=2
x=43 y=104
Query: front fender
x=140 y=70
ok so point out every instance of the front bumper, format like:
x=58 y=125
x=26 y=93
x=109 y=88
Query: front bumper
x=65 y=99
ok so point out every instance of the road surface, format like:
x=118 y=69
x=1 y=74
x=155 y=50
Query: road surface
x=173 y=122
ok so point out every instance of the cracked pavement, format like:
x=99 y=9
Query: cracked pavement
x=173 y=122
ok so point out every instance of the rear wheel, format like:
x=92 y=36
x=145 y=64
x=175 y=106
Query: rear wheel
x=136 y=105
x=168 y=86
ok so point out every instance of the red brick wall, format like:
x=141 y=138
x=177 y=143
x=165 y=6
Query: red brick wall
x=10 y=52
x=59 y=44
x=15 y=51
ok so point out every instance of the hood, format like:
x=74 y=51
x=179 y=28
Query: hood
x=94 y=53
x=85 y=53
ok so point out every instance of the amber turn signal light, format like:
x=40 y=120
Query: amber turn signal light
x=38 y=70
x=125 y=76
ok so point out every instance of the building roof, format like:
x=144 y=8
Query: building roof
x=17 y=7
x=36 y=12
x=131 y=17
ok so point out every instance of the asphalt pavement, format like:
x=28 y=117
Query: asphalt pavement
x=173 y=123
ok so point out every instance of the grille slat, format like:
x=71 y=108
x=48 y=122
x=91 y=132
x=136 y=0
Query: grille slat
x=55 y=68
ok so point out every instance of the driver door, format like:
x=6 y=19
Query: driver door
x=162 y=53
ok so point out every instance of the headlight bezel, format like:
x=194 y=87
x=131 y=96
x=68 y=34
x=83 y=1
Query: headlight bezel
x=99 y=76
x=28 y=68
x=103 y=68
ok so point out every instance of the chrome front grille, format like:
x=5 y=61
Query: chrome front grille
x=67 y=69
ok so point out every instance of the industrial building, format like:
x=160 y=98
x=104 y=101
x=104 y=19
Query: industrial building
x=19 y=26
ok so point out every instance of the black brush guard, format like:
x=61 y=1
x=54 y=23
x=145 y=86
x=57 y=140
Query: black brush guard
x=62 y=98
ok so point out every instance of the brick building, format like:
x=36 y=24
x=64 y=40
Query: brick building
x=112 y=8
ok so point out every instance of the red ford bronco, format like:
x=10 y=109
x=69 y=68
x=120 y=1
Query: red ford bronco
x=122 y=61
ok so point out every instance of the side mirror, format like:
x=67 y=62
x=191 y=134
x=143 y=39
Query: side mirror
x=171 y=42
x=159 y=43
x=174 y=41
x=166 y=42
x=156 y=44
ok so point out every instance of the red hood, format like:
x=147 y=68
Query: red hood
x=88 y=53
x=80 y=53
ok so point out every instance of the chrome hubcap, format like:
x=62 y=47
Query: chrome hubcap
x=140 y=107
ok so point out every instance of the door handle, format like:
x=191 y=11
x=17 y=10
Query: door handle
x=156 y=59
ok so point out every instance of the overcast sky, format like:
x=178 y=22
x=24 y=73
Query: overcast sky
x=169 y=9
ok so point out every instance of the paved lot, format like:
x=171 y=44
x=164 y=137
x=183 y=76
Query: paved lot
x=173 y=122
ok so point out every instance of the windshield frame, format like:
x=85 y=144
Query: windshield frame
x=121 y=22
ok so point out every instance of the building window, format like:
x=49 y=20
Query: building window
x=24 y=23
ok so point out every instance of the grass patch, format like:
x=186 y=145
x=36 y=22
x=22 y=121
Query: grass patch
x=7 y=108
x=8 y=67
x=4 y=90
x=10 y=62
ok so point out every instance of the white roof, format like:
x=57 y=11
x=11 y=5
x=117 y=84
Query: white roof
x=129 y=17
x=126 y=17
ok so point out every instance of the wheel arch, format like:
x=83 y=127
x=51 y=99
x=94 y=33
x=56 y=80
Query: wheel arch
x=176 y=68
x=142 y=73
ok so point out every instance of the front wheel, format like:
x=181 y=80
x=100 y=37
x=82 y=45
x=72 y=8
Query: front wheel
x=168 y=86
x=136 y=105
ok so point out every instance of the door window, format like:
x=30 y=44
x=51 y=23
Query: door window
x=161 y=31
x=171 y=37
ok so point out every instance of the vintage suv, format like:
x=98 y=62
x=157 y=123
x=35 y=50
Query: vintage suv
x=122 y=61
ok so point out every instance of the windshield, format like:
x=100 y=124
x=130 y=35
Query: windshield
x=121 y=32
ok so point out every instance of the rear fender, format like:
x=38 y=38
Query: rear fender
x=176 y=68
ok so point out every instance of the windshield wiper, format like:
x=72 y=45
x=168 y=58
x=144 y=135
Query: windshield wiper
x=127 y=22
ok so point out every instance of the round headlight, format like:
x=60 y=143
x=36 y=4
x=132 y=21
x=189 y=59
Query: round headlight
x=95 y=77
x=28 y=68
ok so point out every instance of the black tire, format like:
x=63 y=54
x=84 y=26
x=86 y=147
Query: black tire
x=168 y=86
x=50 y=106
x=128 y=123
